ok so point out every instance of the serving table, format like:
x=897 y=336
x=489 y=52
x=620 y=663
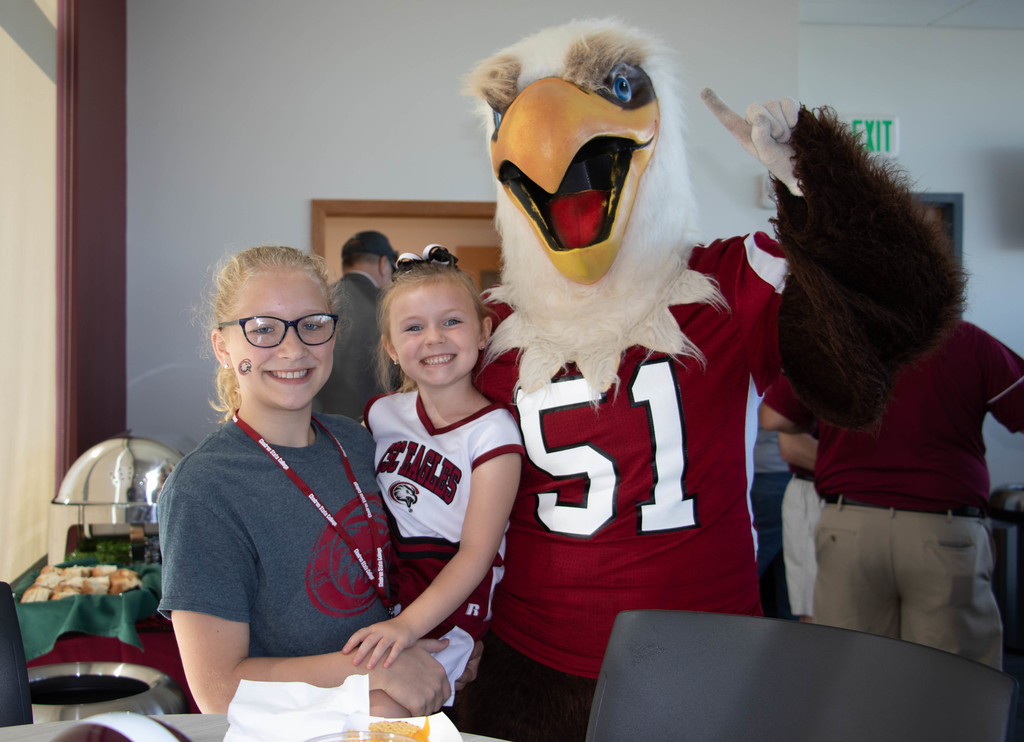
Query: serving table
x=197 y=727
x=102 y=628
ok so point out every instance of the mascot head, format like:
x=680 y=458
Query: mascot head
x=594 y=202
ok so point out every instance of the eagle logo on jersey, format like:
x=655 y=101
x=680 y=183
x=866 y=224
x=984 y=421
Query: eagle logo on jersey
x=404 y=493
x=421 y=465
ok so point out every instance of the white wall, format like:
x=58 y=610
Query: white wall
x=958 y=95
x=28 y=294
x=241 y=111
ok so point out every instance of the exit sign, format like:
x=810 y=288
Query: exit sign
x=880 y=134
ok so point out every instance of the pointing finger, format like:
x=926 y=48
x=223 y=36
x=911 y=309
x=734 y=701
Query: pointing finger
x=729 y=118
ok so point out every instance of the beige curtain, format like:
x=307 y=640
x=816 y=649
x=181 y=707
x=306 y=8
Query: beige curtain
x=28 y=376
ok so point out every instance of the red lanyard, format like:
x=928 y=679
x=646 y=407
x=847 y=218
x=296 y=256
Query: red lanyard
x=376 y=580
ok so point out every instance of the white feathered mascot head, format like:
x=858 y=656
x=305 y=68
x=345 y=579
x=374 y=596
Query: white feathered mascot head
x=594 y=202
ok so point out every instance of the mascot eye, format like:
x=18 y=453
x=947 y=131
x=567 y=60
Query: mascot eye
x=627 y=86
x=497 y=119
x=622 y=88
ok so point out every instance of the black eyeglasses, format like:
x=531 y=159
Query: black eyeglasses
x=268 y=332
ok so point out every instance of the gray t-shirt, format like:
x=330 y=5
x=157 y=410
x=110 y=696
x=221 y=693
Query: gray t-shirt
x=241 y=541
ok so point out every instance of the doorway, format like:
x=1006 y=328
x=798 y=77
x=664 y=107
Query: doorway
x=466 y=228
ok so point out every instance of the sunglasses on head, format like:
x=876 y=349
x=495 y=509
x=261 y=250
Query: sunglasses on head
x=436 y=254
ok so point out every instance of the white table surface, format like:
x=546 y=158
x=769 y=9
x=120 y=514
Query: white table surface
x=198 y=728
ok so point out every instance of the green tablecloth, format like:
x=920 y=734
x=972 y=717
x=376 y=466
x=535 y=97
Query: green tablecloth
x=102 y=615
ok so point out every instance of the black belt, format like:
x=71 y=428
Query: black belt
x=967 y=511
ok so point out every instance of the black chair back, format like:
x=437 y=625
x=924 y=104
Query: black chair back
x=680 y=675
x=15 y=701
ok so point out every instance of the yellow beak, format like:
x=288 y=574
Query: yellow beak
x=541 y=136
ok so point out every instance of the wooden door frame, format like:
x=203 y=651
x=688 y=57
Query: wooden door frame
x=324 y=208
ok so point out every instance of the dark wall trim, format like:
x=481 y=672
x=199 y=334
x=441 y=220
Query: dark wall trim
x=91 y=163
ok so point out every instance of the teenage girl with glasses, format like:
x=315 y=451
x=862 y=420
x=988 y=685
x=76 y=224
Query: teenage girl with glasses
x=272 y=531
x=447 y=460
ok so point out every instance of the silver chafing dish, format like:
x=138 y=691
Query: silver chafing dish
x=111 y=492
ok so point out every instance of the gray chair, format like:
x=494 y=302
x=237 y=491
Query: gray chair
x=15 y=702
x=679 y=675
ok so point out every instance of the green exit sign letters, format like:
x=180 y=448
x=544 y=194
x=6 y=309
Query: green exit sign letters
x=880 y=134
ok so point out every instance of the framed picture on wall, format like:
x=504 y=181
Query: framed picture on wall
x=949 y=208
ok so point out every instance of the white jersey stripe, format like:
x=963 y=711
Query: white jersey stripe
x=1006 y=391
x=771 y=269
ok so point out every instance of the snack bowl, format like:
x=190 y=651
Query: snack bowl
x=361 y=736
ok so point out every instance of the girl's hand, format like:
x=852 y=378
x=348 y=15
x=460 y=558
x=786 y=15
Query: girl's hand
x=384 y=640
x=417 y=681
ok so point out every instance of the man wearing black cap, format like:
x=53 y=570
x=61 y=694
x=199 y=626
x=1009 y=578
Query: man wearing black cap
x=367 y=261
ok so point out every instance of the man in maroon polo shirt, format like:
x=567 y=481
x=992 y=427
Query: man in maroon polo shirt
x=904 y=547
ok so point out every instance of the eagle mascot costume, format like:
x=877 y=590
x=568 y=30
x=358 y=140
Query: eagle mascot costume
x=634 y=359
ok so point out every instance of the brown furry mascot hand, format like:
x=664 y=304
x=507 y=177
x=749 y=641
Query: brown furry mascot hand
x=873 y=282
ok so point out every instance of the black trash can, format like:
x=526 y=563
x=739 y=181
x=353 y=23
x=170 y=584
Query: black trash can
x=75 y=690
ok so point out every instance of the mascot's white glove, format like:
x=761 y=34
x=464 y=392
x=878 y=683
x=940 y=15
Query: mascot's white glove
x=764 y=133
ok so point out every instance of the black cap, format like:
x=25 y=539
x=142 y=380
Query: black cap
x=369 y=243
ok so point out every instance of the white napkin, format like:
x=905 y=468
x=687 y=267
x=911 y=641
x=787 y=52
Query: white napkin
x=295 y=712
x=454 y=657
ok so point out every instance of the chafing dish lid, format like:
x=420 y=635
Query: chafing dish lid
x=118 y=471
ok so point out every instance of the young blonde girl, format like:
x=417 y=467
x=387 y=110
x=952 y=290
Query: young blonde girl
x=447 y=462
x=257 y=581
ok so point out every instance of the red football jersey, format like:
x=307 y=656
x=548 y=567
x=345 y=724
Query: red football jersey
x=641 y=501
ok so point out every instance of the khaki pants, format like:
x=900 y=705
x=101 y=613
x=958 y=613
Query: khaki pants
x=801 y=509
x=922 y=577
